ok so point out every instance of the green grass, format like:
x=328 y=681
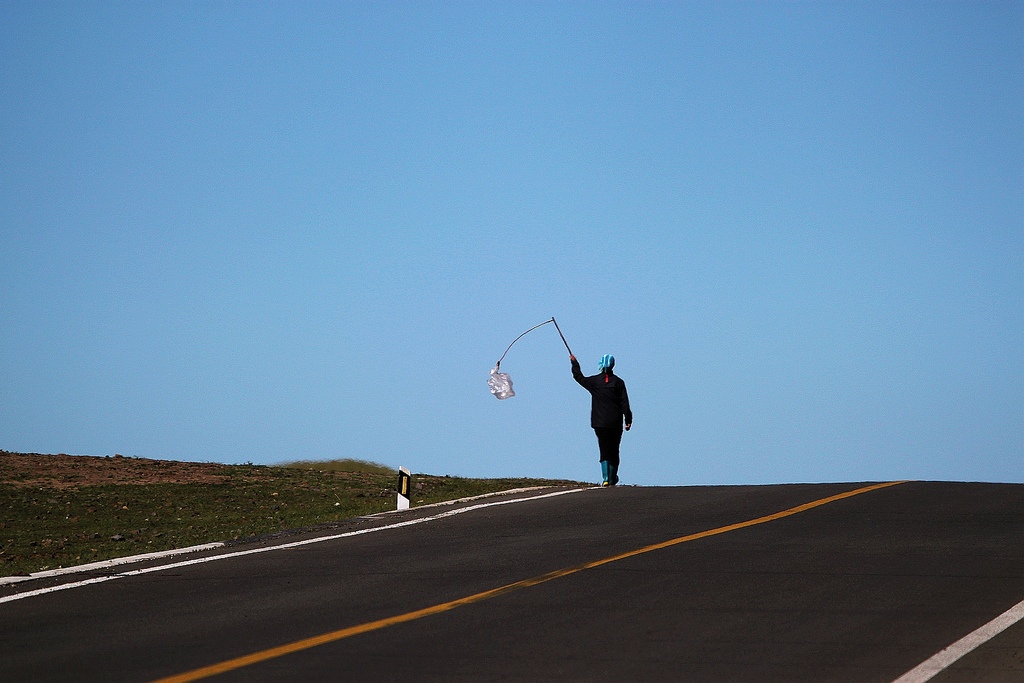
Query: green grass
x=46 y=528
x=345 y=465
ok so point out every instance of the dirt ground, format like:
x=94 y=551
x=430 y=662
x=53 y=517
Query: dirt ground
x=63 y=471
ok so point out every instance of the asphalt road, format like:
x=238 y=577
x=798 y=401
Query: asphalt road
x=859 y=589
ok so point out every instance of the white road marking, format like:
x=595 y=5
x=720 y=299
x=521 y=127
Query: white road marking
x=106 y=564
x=283 y=546
x=945 y=658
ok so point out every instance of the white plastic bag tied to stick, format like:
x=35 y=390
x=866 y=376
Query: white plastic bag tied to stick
x=500 y=384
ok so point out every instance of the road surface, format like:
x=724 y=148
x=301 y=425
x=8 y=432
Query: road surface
x=727 y=583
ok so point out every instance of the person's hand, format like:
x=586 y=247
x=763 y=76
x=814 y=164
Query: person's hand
x=572 y=357
x=628 y=425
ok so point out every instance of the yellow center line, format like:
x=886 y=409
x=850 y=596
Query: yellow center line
x=323 y=639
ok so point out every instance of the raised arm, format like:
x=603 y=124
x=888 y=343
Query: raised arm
x=577 y=374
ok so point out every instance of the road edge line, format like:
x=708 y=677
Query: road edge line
x=172 y=552
x=280 y=546
x=112 y=562
x=943 y=659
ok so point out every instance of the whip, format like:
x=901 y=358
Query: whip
x=499 y=382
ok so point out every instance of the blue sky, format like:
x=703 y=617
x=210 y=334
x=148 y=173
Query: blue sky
x=269 y=231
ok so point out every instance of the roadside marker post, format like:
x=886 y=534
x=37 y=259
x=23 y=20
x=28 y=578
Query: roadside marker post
x=404 y=481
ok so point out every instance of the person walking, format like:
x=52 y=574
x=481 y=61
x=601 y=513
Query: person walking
x=609 y=408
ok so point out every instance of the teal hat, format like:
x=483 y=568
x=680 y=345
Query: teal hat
x=607 y=362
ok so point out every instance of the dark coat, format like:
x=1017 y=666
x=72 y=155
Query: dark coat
x=609 y=402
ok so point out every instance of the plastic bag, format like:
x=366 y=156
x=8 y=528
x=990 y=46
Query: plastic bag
x=500 y=384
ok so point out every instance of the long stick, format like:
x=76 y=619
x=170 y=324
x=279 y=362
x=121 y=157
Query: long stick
x=561 y=335
x=498 y=364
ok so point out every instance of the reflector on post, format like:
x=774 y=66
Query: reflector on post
x=404 y=487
